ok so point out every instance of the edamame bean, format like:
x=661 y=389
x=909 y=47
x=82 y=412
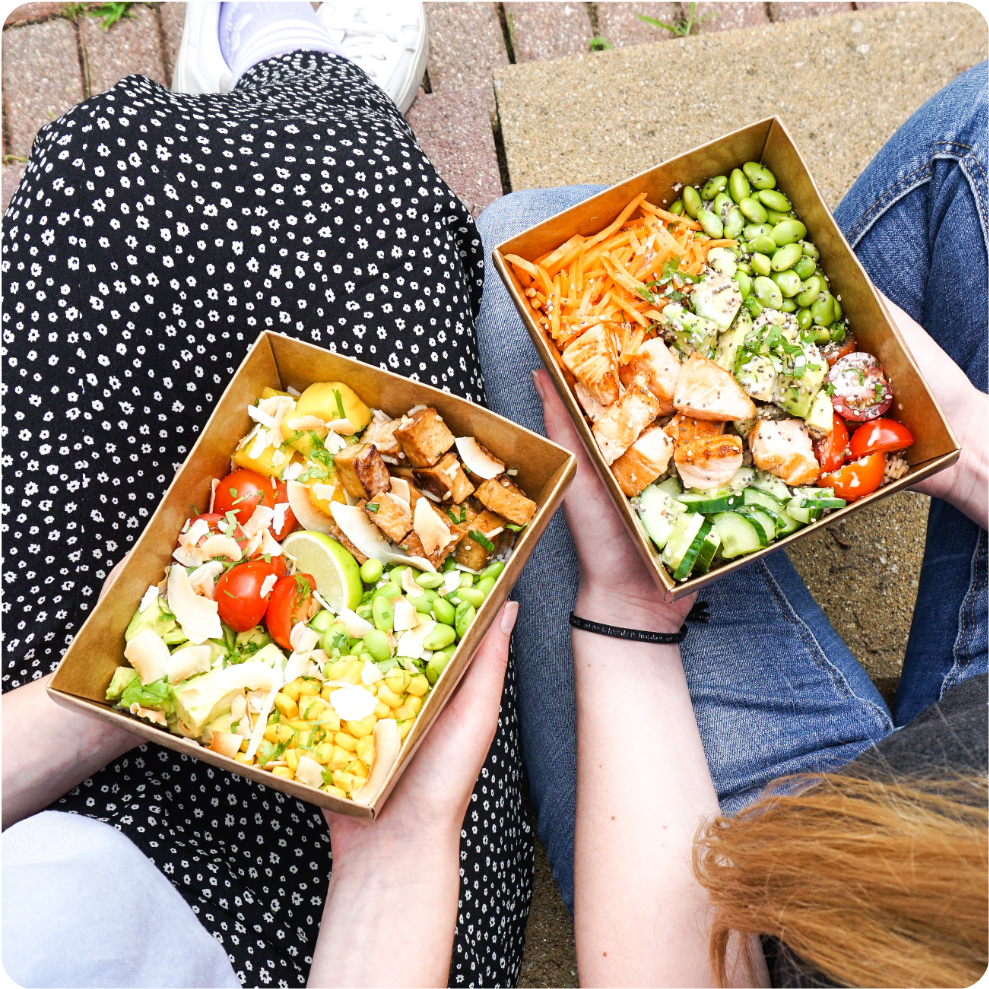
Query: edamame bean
x=805 y=266
x=440 y=637
x=753 y=210
x=774 y=199
x=775 y=217
x=761 y=265
x=767 y=292
x=710 y=223
x=429 y=580
x=443 y=611
x=484 y=585
x=388 y=590
x=376 y=643
x=364 y=610
x=423 y=603
x=788 y=305
x=821 y=334
x=471 y=595
x=322 y=621
x=334 y=637
x=465 y=615
x=804 y=320
x=837 y=308
x=787 y=232
x=812 y=288
x=365 y=657
x=760 y=176
x=371 y=571
x=466 y=580
x=493 y=570
x=450 y=563
x=713 y=186
x=366 y=597
x=822 y=311
x=788 y=282
x=810 y=250
x=396 y=575
x=738 y=185
x=752 y=306
x=753 y=230
x=383 y=614
x=744 y=283
x=786 y=257
x=677 y=207
x=745 y=266
x=764 y=245
x=734 y=223
x=723 y=261
x=437 y=664
x=691 y=201
x=721 y=205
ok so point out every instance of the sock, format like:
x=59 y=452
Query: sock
x=252 y=32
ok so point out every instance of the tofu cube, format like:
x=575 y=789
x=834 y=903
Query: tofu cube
x=502 y=496
x=412 y=545
x=471 y=553
x=621 y=425
x=381 y=432
x=390 y=515
x=337 y=533
x=643 y=461
x=361 y=470
x=446 y=480
x=424 y=437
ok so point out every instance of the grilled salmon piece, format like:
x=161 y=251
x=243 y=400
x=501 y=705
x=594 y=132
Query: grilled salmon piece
x=588 y=402
x=707 y=391
x=709 y=461
x=661 y=368
x=593 y=361
x=682 y=428
x=643 y=461
x=622 y=423
x=784 y=448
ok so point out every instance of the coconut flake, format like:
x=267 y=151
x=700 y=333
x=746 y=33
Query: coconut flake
x=142 y=712
x=262 y=721
x=452 y=580
x=302 y=638
x=291 y=472
x=220 y=546
x=269 y=545
x=149 y=595
x=308 y=515
x=281 y=511
x=261 y=518
x=148 y=654
x=406 y=616
x=197 y=615
x=324 y=492
x=188 y=556
x=213 y=485
x=370 y=673
x=261 y=417
x=355 y=626
x=342 y=426
x=353 y=703
x=260 y=442
x=203 y=579
x=268 y=584
x=334 y=442
x=410 y=643
x=194 y=532
x=187 y=662
x=401 y=489
x=294 y=392
x=297 y=665
x=476 y=460
x=306 y=423
x=408 y=583
x=432 y=531
x=309 y=771
x=402 y=506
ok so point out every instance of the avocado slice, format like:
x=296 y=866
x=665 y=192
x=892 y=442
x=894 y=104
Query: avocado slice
x=800 y=381
x=717 y=298
x=690 y=331
x=155 y=616
x=820 y=419
x=731 y=340
x=757 y=376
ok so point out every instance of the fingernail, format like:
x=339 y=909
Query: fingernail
x=508 y=616
x=538 y=385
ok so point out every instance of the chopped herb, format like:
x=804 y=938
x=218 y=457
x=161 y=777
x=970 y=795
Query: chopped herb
x=647 y=295
x=235 y=725
x=336 y=393
x=798 y=370
x=481 y=540
x=243 y=497
x=297 y=435
x=233 y=491
x=514 y=527
x=829 y=389
x=879 y=392
x=228 y=594
x=858 y=371
x=372 y=508
x=303 y=589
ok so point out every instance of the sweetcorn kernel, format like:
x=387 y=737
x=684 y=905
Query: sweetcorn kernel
x=308 y=688
x=413 y=703
x=333 y=790
x=340 y=758
x=292 y=689
x=398 y=680
x=363 y=727
x=286 y=705
x=292 y=758
x=310 y=707
x=405 y=712
x=245 y=744
x=404 y=727
x=284 y=772
x=343 y=780
x=359 y=769
x=323 y=752
x=345 y=741
x=419 y=686
x=381 y=710
x=242 y=757
x=386 y=694
x=365 y=749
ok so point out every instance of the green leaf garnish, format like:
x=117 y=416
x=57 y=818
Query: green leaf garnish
x=481 y=540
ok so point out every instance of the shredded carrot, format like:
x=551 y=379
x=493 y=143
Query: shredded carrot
x=671 y=217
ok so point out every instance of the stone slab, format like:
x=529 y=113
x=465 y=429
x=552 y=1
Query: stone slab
x=11 y=177
x=617 y=22
x=541 y=31
x=41 y=79
x=729 y=16
x=454 y=130
x=466 y=44
x=803 y=8
x=172 y=21
x=132 y=45
x=29 y=13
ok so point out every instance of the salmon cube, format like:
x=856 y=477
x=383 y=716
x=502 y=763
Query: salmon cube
x=391 y=515
x=785 y=449
x=708 y=461
x=593 y=361
x=621 y=425
x=591 y=406
x=446 y=480
x=502 y=496
x=707 y=391
x=656 y=361
x=472 y=552
x=424 y=437
x=643 y=461
x=361 y=470
x=682 y=428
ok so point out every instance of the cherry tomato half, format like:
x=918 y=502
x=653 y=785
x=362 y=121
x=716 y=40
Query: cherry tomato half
x=238 y=594
x=880 y=436
x=241 y=492
x=281 y=498
x=857 y=478
x=860 y=390
x=832 y=450
x=834 y=351
x=291 y=601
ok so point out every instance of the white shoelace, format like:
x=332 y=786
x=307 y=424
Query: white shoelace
x=359 y=39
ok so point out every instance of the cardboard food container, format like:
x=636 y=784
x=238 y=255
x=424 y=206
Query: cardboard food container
x=935 y=446
x=544 y=473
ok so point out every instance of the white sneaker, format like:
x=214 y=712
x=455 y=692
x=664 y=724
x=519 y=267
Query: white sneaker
x=199 y=65
x=387 y=39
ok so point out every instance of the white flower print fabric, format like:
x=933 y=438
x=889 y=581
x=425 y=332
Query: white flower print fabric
x=154 y=235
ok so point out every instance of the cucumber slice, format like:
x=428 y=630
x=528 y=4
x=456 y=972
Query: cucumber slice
x=763 y=520
x=762 y=499
x=803 y=510
x=771 y=484
x=710 y=546
x=813 y=494
x=658 y=510
x=671 y=486
x=710 y=502
x=684 y=543
x=828 y=504
x=739 y=535
x=744 y=476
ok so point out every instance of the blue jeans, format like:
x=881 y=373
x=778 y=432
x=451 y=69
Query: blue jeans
x=774 y=688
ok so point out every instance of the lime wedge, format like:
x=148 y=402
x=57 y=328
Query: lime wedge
x=337 y=575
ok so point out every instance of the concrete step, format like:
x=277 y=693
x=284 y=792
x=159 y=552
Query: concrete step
x=548 y=30
x=132 y=45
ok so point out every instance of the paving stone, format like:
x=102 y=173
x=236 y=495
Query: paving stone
x=11 y=177
x=172 y=21
x=454 y=130
x=466 y=44
x=28 y=13
x=597 y=119
x=797 y=10
x=548 y=30
x=41 y=79
x=617 y=22
x=729 y=16
x=132 y=45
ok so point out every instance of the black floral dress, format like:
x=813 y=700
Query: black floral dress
x=154 y=235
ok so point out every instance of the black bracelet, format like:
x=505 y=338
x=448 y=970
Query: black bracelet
x=698 y=613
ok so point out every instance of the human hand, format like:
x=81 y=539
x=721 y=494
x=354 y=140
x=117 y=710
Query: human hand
x=615 y=585
x=964 y=484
